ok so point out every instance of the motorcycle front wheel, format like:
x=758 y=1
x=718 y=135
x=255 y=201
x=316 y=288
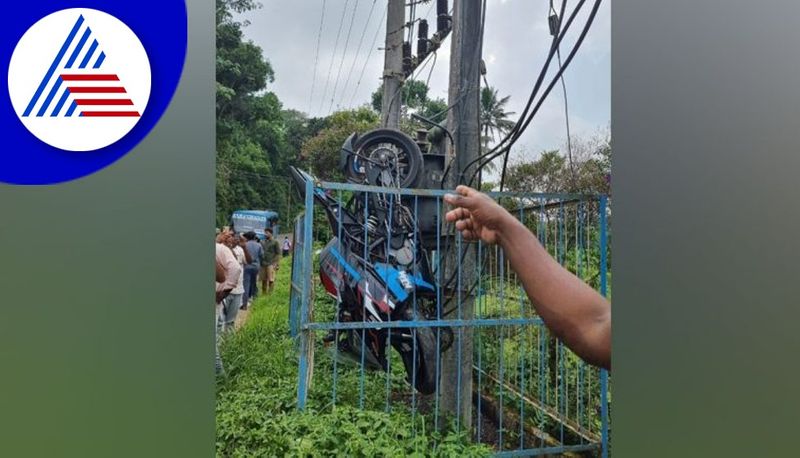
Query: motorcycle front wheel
x=418 y=351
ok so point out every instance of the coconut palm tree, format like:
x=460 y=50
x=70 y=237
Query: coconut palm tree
x=494 y=118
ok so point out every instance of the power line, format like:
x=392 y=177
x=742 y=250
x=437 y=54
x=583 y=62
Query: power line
x=333 y=56
x=430 y=73
x=316 y=56
x=371 y=49
x=566 y=120
x=427 y=13
x=412 y=21
x=561 y=70
x=344 y=54
x=555 y=30
x=543 y=72
x=525 y=119
x=358 y=51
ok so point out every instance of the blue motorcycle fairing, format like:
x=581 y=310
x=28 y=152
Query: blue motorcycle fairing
x=343 y=262
x=390 y=276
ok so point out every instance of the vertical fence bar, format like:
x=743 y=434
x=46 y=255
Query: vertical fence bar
x=501 y=354
x=415 y=350
x=303 y=369
x=389 y=315
x=562 y=256
x=438 y=311
x=460 y=329
x=541 y=337
x=297 y=266
x=481 y=304
x=580 y=248
x=338 y=300
x=364 y=307
x=521 y=345
x=604 y=292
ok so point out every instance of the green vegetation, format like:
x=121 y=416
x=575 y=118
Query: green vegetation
x=256 y=404
x=551 y=172
x=257 y=139
x=415 y=99
x=322 y=151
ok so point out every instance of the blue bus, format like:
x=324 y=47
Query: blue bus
x=256 y=221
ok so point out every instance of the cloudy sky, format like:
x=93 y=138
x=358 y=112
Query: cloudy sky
x=516 y=41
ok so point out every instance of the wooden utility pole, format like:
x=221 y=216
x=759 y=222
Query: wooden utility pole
x=462 y=121
x=393 y=64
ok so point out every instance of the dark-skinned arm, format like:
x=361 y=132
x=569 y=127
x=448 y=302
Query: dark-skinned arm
x=571 y=309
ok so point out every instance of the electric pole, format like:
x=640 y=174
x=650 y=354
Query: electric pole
x=393 y=75
x=462 y=121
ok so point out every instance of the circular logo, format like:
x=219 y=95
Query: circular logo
x=79 y=79
x=88 y=80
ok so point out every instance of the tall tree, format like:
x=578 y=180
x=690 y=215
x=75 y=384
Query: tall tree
x=493 y=118
x=414 y=99
x=321 y=152
x=252 y=147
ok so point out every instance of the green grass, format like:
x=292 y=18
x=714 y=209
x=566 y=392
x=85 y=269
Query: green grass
x=256 y=403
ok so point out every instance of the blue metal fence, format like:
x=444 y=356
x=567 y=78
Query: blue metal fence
x=531 y=395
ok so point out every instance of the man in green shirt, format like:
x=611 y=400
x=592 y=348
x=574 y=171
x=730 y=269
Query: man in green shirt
x=269 y=263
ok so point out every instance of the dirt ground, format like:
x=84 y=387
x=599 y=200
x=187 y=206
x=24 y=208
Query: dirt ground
x=241 y=318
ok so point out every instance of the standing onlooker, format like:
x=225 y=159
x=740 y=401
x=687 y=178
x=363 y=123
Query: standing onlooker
x=242 y=241
x=269 y=263
x=233 y=302
x=256 y=253
x=228 y=272
x=287 y=246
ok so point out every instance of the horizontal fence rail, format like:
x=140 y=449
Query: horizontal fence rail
x=518 y=389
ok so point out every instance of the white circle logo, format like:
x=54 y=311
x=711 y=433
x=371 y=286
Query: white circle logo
x=79 y=79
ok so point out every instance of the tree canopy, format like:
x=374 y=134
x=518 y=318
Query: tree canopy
x=321 y=152
x=256 y=138
x=415 y=99
x=551 y=173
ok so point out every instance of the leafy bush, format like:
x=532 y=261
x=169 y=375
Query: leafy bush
x=256 y=404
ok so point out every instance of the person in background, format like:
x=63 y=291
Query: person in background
x=242 y=242
x=233 y=302
x=571 y=309
x=256 y=254
x=227 y=276
x=287 y=246
x=269 y=263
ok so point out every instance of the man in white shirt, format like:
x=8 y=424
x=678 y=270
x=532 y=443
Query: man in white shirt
x=287 y=246
x=232 y=303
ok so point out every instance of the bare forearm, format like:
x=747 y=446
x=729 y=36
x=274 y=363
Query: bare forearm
x=572 y=310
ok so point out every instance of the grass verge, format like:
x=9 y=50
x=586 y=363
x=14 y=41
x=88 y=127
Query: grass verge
x=256 y=410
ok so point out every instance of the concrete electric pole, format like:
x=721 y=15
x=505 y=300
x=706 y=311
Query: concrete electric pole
x=462 y=121
x=393 y=75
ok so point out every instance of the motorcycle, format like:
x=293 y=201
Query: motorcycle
x=375 y=266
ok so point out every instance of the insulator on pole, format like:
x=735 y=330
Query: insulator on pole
x=555 y=24
x=422 y=39
x=407 y=60
x=442 y=18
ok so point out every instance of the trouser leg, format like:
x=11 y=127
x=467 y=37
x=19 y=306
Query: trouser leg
x=218 y=368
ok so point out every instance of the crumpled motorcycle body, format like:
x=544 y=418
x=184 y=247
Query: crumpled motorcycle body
x=375 y=268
